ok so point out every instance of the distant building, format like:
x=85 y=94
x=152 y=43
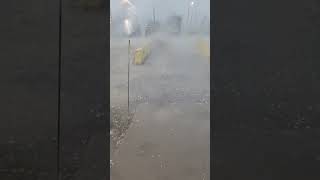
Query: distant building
x=174 y=24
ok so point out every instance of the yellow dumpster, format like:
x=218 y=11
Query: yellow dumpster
x=141 y=54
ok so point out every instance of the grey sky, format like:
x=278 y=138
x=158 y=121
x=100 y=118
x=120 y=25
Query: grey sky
x=164 y=8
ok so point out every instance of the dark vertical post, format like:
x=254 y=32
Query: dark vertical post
x=154 y=16
x=128 y=77
x=188 y=14
x=191 y=18
x=196 y=14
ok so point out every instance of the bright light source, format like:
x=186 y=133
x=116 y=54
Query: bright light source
x=191 y=3
x=126 y=22
x=127 y=26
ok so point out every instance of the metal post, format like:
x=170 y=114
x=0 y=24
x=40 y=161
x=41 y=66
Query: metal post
x=188 y=15
x=154 y=16
x=128 y=78
x=196 y=15
x=191 y=17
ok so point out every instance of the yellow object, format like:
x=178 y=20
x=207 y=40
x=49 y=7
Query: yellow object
x=203 y=48
x=141 y=55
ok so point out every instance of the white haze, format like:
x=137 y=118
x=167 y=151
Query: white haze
x=165 y=8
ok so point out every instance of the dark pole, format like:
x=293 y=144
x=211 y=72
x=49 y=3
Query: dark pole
x=154 y=16
x=188 y=14
x=191 y=17
x=197 y=13
x=128 y=77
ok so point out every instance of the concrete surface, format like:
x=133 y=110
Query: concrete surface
x=165 y=142
x=169 y=95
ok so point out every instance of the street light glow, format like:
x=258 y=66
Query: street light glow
x=191 y=3
x=128 y=26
